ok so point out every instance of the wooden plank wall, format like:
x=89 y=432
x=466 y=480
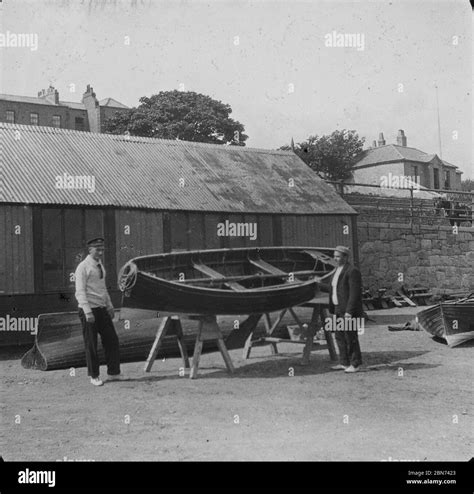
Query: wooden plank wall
x=16 y=250
x=190 y=230
x=137 y=233
x=316 y=231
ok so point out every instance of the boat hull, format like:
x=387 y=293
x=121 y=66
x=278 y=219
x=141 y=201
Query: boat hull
x=452 y=321
x=253 y=287
x=159 y=295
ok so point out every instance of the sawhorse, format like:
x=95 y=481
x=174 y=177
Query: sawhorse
x=169 y=326
x=319 y=306
x=208 y=329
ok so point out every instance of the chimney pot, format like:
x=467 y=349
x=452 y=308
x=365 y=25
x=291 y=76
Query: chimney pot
x=381 y=141
x=374 y=143
x=401 y=138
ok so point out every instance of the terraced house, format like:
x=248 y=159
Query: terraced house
x=48 y=110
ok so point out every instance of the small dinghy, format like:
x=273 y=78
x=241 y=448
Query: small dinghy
x=452 y=320
x=225 y=281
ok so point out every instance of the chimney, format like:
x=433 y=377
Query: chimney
x=374 y=143
x=51 y=95
x=401 y=138
x=91 y=104
x=381 y=141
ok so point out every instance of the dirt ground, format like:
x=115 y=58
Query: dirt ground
x=412 y=401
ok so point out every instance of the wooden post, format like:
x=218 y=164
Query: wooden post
x=169 y=326
x=268 y=328
x=310 y=335
x=329 y=335
x=209 y=330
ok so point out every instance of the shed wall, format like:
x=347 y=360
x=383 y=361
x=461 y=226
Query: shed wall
x=16 y=248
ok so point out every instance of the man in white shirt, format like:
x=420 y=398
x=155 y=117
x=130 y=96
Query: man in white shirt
x=96 y=313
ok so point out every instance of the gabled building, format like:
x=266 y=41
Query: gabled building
x=47 y=110
x=428 y=170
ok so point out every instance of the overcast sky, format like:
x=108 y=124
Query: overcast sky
x=131 y=48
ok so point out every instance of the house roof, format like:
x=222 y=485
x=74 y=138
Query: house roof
x=110 y=102
x=147 y=173
x=392 y=153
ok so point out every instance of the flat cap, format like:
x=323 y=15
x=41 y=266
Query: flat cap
x=95 y=242
x=343 y=249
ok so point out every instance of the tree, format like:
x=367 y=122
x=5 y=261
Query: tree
x=467 y=185
x=186 y=116
x=331 y=156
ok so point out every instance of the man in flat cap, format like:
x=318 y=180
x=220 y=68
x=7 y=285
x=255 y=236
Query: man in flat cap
x=96 y=313
x=345 y=301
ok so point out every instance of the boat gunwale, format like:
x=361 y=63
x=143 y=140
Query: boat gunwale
x=226 y=250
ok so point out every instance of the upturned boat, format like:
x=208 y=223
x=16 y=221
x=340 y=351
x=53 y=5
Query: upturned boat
x=452 y=320
x=225 y=281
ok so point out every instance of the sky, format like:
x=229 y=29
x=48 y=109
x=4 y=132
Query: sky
x=269 y=60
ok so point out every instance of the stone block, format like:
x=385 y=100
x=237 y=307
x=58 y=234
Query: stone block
x=425 y=244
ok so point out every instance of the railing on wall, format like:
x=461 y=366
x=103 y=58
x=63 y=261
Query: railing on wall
x=412 y=205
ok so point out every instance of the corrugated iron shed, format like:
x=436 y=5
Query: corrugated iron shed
x=138 y=172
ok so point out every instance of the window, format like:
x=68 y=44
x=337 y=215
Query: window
x=79 y=123
x=56 y=121
x=34 y=119
x=10 y=116
x=436 y=178
x=415 y=173
x=447 y=180
x=64 y=233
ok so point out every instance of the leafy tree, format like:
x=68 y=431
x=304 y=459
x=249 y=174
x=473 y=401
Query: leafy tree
x=467 y=185
x=331 y=156
x=186 y=116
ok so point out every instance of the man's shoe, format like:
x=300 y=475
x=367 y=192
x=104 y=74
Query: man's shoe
x=351 y=368
x=339 y=367
x=96 y=381
x=115 y=377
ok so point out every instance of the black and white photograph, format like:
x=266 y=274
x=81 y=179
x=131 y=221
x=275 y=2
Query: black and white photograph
x=237 y=231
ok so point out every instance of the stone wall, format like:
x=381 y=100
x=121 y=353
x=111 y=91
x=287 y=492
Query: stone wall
x=432 y=256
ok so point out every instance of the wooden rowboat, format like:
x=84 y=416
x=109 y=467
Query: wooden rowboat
x=225 y=281
x=452 y=320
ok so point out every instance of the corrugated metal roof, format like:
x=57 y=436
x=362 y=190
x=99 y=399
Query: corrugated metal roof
x=393 y=152
x=145 y=173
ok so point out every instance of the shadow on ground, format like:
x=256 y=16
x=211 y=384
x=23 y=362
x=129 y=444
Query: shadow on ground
x=279 y=365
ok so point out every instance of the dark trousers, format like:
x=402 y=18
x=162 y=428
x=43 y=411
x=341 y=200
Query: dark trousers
x=104 y=326
x=348 y=344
